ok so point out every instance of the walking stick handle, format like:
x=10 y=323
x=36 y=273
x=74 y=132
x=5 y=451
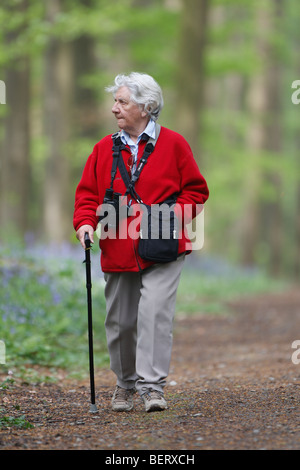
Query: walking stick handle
x=87 y=240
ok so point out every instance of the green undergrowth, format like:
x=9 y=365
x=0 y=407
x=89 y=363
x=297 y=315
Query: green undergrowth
x=209 y=292
x=43 y=319
x=43 y=307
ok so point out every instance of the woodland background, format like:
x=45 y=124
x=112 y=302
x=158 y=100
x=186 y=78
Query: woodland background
x=226 y=68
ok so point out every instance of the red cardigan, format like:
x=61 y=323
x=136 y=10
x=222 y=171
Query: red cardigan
x=171 y=168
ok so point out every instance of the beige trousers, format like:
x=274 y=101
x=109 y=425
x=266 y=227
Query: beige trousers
x=139 y=324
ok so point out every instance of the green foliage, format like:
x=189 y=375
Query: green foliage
x=43 y=309
x=147 y=47
x=209 y=289
x=239 y=52
x=14 y=422
x=6 y=384
x=144 y=35
x=27 y=28
x=32 y=28
x=44 y=312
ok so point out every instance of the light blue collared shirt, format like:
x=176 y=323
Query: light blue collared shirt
x=125 y=137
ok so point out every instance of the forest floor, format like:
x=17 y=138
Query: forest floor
x=232 y=385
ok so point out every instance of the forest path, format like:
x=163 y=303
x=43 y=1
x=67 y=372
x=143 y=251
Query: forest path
x=232 y=385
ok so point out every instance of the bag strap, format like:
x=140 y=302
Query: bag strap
x=118 y=161
x=114 y=167
x=148 y=150
x=127 y=181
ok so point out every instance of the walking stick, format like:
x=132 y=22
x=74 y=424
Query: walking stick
x=93 y=407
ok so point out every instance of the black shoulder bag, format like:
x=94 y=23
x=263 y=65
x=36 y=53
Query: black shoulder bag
x=159 y=233
x=159 y=224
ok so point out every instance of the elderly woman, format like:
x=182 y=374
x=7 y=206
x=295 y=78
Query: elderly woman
x=140 y=293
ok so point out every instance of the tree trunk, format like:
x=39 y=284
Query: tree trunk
x=263 y=215
x=57 y=112
x=87 y=119
x=191 y=71
x=254 y=143
x=296 y=262
x=15 y=149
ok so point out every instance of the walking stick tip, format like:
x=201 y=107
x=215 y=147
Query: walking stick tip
x=93 y=409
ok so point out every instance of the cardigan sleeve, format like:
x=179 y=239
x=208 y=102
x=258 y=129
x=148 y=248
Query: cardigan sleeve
x=86 y=195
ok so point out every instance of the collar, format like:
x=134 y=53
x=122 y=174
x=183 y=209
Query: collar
x=149 y=131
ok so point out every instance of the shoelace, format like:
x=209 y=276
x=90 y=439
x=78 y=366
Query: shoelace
x=122 y=394
x=152 y=394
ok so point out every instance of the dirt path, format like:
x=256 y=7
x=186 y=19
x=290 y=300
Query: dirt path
x=232 y=385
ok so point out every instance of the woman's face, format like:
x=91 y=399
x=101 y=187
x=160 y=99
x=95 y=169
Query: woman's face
x=130 y=116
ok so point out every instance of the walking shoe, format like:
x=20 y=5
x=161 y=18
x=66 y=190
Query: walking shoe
x=122 y=399
x=154 y=400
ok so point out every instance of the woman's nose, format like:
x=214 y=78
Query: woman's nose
x=115 y=108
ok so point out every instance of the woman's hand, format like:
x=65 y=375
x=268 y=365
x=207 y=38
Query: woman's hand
x=81 y=232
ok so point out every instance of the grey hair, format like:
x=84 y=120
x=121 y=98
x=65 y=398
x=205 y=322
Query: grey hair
x=145 y=92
